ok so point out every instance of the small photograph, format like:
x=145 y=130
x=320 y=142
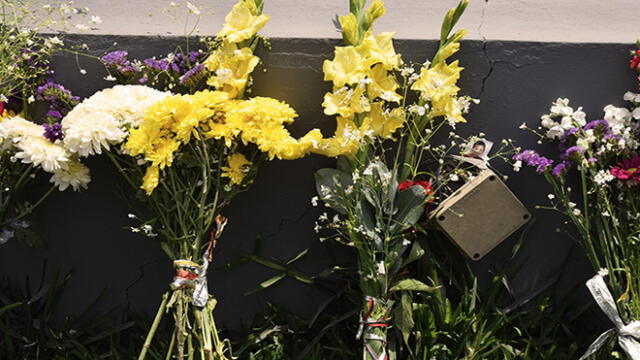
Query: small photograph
x=476 y=152
x=477 y=148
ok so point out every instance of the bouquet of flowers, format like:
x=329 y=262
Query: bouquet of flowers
x=595 y=184
x=191 y=154
x=25 y=84
x=388 y=171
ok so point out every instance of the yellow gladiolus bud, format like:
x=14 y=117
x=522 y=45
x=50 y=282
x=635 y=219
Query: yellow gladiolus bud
x=374 y=11
x=350 y=31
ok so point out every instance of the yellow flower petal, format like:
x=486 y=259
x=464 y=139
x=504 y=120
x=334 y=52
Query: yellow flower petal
x=242 y=23
x=347 y=67
x=237 y=168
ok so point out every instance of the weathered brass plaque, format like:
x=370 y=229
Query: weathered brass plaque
x=480 y=215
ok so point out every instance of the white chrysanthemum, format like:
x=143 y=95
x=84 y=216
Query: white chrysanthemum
x=75 y=175
x=31 y=146
x=41 y=152
x=103 y=119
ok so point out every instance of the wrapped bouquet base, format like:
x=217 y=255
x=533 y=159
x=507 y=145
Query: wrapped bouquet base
x=191 y=306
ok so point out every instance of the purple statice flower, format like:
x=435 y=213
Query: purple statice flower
x=598 y=124
x=158 y=65
x=116 y=58
x=53 y=132
x=181 y=63
x=54 y=114
x=59 y=98
x=566 y=136
x=560 y=168
x=571 y=152
x=194 y=75
x=51 y=91
x=533 y=159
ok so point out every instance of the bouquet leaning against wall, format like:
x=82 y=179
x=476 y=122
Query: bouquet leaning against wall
x=387 y=170
x=189 y=154
x=31 y=104
x=595 y=184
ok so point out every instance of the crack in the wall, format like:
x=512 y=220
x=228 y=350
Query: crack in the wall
x=484 y=50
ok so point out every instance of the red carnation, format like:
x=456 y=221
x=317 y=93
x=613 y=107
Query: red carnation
x=1 y=108
x=628 y=169
x=636 y=60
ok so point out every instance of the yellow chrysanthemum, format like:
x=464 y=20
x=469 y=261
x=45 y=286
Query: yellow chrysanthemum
x=347 y=67
x=162 y=153
x=438 y=80
x=383 y=122
x=383 y=85
x=242 y=22
x=231 y=67
x=346 y=102
x=378 y=49
x=150 y=180
x=237 y=169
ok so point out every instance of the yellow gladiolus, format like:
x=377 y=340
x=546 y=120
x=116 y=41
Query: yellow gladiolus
x=383 y=85
x=383 y=122
x=236 y=170
x=346 y=68
x=346 y=140
x=439 y=80
x=231 y=67
x=378 y=49
x=350 y=31
x=375 y=11
x=346 y=102
x=448 y=106
x=242 y=23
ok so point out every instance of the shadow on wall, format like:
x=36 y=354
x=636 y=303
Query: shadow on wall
x=515 y=81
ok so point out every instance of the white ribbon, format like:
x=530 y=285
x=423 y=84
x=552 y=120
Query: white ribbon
x=201 y=291
x=628 y=335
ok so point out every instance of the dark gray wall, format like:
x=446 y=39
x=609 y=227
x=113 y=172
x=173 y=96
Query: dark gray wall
x=515 y=81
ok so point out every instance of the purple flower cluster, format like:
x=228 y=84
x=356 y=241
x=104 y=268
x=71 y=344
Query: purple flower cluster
x=533 y=159
x=572 y=152
x=118 y=61
x=53 y=132
x=182 y=68
x=193 y=76
x=560 y=168
x=116 y=58
x=59 y=98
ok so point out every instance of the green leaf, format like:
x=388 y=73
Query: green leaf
x=9 y=307
x=413 y=285
x=410 y=205
x=415 y=253
x=332 y=182
x=381 y=186
x=366 y=218
x=265 y=284
x=404 y=317
x=300 y=255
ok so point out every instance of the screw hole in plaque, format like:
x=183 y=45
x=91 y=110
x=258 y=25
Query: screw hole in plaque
x=441 y=218
x=526 y=217
x=492 y=178
x=476 y=256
